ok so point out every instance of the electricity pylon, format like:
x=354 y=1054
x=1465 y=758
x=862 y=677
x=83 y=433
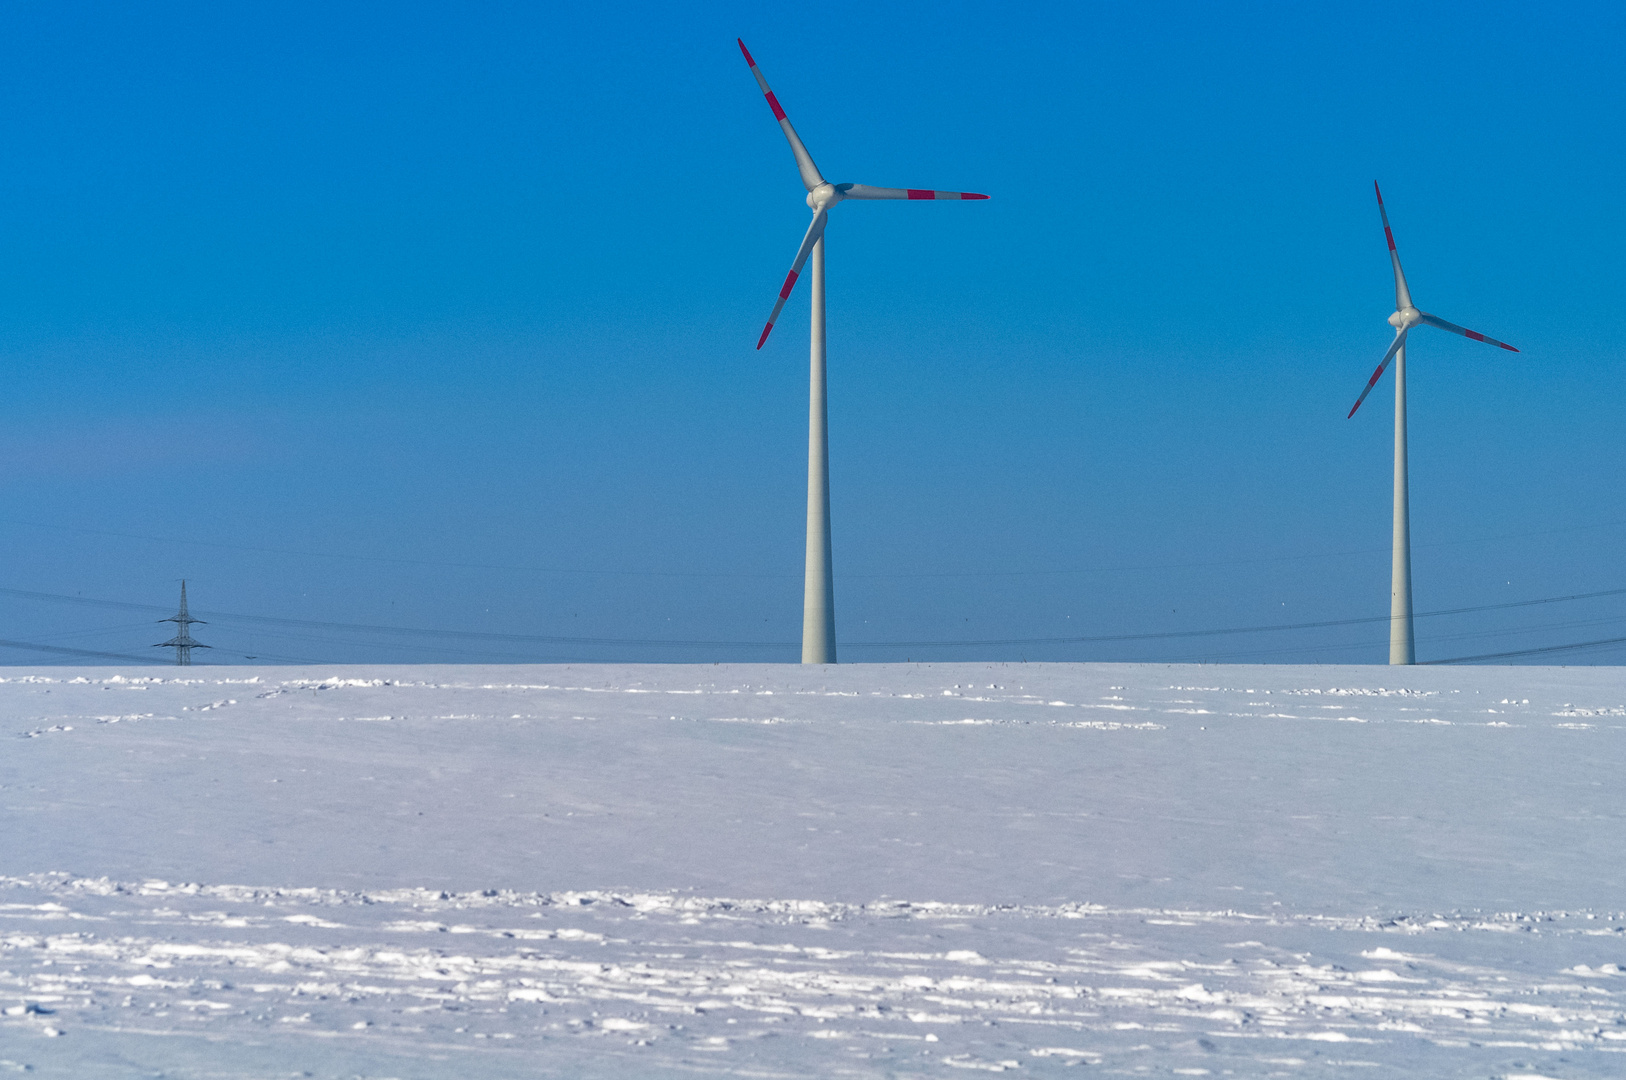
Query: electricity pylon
x=182 y=642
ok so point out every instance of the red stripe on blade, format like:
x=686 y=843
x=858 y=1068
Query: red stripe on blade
x=1390 y=237
x=773 y=103
x=790 y=281
x=1506 y=346
x=746 y=51
x=971 y=195
x=1472 y=334
x=916 y=193
x=764 y=336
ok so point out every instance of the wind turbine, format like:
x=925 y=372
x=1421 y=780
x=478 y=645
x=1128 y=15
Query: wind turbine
x=818 y=597
x=1406 y=316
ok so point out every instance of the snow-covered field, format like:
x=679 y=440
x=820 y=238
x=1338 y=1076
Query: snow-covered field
x=888 y=870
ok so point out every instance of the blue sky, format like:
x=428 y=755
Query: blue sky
x=402 y=315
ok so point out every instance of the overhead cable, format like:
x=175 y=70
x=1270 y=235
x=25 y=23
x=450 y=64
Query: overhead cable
x=65 y=650
x=553 y=639
x=1530 y=652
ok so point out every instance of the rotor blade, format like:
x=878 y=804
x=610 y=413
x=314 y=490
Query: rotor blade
x=1394 y=347
x=814 y=232
x=804 y=161
x=864 y=191
x=1402 y=294
x=1435 y=320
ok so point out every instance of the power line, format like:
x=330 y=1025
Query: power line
x=121 y=628
x=1234 y=629
x=551 y=639
x=434 y=649
x=313 y=624
x=1434 y=639
x=64 y=650
x=1530 y=652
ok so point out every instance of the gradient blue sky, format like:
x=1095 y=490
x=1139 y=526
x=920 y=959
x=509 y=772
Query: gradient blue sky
x=416 y=316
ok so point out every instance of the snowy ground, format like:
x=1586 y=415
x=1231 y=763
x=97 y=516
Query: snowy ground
x=899 y=870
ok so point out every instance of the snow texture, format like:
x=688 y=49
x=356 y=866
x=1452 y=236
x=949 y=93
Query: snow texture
x=766 y=871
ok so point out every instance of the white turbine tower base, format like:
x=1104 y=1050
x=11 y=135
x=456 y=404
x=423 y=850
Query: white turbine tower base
x=819 y=593
x=819 y=586
x=1402 y=648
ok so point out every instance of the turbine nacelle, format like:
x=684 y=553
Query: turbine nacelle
x=1405 y=318
x=826 y=195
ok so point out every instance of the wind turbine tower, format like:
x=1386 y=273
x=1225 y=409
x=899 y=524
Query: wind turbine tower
x=1406 y=316
x=182 y=642
x=819 y=594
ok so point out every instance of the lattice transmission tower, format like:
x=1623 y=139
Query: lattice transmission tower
x=182 y=642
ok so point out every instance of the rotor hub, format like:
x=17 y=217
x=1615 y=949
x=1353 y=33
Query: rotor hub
x=824 y=196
